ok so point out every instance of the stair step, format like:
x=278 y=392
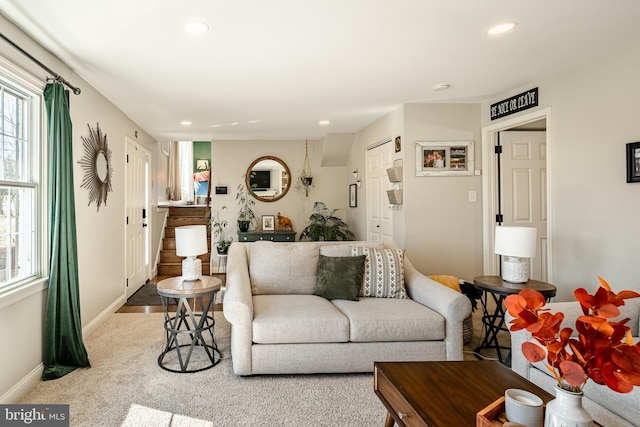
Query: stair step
x=171 y=257
x=186 y=220
x=170 y=264
x=173 y=269
x=183 y=211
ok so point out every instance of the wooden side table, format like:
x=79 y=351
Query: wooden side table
x=188 y=329
x=493 y=322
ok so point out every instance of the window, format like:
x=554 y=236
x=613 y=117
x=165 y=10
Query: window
x=20 y=188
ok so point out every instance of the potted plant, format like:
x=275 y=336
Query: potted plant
x=245 y=202
x=602 y=351
x=218 y=229
x=325 y=226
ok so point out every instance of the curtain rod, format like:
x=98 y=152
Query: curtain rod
x=55 y=75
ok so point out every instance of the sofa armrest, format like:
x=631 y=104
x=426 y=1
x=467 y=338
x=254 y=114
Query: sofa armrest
x=452 y=305
x=238 y=307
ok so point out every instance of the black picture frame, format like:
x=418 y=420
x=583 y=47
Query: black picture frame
x=633 y=162
x=353 y=195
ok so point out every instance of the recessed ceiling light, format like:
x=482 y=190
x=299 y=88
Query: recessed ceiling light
x=233 y=124
x=441 y=86
x=255 y=121
x=502 y=28
x=186 y=123
x=324 y=122
x=215 y=126
x=196 y=27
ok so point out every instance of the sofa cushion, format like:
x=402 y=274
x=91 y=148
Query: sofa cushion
x=340 y=277
x=383 y=272
x=377 y=319
x=288 y=319
x=282 y=268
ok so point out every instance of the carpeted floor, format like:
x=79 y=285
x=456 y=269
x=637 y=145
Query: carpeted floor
x=123 y=353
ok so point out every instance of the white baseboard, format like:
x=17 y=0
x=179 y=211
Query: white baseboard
x=90 y=327
x=15 y=393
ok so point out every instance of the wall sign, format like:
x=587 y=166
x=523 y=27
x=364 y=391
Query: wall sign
x=515 y=104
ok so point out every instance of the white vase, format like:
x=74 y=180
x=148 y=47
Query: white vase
x=566 y=411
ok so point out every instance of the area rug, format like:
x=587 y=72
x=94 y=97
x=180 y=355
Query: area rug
x=124 y=370
x=146 y=295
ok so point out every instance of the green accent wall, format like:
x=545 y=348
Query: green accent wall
x=201 y=151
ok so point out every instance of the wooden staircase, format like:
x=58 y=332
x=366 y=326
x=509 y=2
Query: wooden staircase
x=171 y=264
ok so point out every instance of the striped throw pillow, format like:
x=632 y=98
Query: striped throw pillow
x=383 y=272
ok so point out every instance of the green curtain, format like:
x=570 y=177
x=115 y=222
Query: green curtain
x=64 y=349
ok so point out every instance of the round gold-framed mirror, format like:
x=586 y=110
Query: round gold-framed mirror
x=268 y=179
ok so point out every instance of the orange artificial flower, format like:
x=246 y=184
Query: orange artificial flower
x=603 y=350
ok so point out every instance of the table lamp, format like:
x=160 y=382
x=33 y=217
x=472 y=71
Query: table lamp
x=191 y=241
x=516 y=245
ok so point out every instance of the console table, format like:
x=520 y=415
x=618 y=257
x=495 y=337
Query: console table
x=274 y=236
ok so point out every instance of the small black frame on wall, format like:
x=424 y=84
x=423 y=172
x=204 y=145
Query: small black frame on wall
x=633 y=162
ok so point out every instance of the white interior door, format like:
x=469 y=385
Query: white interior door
x=379 y=219
x=524 y=189
x=137 y=216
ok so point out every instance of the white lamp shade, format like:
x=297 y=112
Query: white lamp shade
x=516 y=241
x=191 y=240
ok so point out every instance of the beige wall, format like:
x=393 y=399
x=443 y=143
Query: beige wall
x=594 y=113
x=444 y=229
x=230 y=160
x=100 y=234
x=437 y=225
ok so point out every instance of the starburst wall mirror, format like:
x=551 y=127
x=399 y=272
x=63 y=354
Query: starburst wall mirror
x=96 y=164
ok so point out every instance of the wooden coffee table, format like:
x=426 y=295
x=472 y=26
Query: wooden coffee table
x=443 y=393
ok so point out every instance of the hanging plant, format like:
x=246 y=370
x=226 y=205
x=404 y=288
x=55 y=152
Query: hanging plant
x=305 y=178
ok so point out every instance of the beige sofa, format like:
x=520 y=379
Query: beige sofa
x=605 y=406
x=278 y=326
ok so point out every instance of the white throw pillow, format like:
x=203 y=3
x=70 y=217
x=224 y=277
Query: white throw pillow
x=383 y=272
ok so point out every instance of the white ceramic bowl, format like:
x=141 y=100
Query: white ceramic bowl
x=523 y=407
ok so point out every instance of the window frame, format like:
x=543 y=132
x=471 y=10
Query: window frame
x=30 y=87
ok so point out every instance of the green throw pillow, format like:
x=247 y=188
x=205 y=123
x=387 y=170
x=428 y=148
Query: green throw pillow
x=340 y=277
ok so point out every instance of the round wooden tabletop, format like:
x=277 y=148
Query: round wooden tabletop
x=496 y=285
x=177 y=287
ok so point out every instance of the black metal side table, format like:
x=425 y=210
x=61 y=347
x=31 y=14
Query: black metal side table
x=494 y=322
x=191 y=327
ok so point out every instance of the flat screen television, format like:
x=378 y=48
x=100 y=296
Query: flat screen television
x=260 y=180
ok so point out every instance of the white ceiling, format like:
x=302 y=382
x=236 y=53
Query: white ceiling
x=273 y=69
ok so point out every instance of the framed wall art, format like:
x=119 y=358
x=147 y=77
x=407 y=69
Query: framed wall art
x=444 y=158
x=353 y=195
x=633 y=162
x=268 y=222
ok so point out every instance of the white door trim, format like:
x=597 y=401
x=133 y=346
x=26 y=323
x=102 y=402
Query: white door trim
x=490 y=184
